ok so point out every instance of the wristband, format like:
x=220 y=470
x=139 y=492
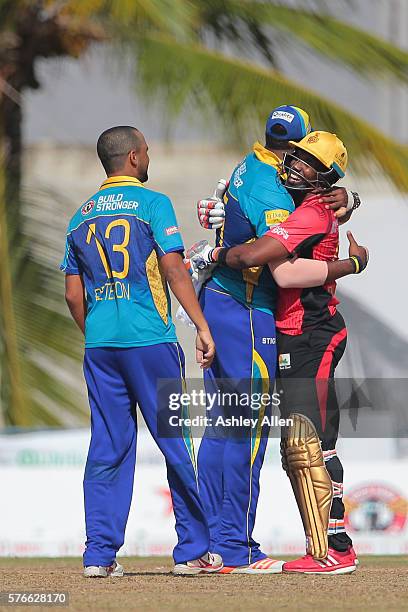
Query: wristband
x=356 y=200
x=353 y=201
x=359 y=264
x=212 y=255
x=220 y=255
x=350 y=201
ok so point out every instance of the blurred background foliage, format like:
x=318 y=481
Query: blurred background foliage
x=218 y=56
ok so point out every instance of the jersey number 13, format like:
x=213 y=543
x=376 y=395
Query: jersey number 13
x=119 y=248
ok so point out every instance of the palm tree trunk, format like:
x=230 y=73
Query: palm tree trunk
x=11 y=142
x=13 y=406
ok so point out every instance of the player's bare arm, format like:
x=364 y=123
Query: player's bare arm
x=75 y=298
x=302 y=273
x=180 y=283
x=287 y=271
x=271 y=252
x=263 y=251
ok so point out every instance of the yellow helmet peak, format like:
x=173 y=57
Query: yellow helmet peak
x=327 y=148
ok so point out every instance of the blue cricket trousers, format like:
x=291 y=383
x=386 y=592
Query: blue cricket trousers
x=117 y=380
x=229 y=466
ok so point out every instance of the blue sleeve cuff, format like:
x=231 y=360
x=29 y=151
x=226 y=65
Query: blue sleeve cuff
x=175 y=249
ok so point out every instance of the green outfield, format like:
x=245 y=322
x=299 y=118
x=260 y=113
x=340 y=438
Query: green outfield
x=381 y=583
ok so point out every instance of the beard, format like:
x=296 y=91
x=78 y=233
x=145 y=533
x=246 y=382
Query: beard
x=144 y=177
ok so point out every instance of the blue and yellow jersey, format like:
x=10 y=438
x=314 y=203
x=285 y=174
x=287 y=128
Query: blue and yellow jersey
x=255 y=201
x=114 y=242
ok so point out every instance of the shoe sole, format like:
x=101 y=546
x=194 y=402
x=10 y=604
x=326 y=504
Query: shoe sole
x=276 y=569
x=194 y=571
x=115 y=574
x=101 y=576
x=340 y=570
x=248 y=570
x=94 y=576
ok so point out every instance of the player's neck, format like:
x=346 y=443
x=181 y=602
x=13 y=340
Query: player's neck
x=278 y=152
x=123 y=172
x=298 y=195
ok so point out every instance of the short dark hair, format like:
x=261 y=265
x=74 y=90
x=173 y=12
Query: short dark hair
x=114 y=145
x=271 y=142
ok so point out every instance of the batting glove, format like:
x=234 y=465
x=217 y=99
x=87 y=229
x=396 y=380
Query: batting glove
x=211 y=211
x=199 y=260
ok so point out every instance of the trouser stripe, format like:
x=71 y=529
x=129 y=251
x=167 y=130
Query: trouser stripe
x=187 y=436
x=324 y=372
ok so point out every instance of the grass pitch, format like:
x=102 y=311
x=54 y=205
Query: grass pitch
x=380 y=583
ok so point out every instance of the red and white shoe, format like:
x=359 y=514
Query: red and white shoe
x=335 y=563
x=207 y=564
x=264 y=566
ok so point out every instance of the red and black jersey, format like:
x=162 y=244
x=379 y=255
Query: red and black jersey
x=311 y=232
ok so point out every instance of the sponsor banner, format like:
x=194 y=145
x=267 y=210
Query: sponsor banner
x=42 y=509
x=63 y=449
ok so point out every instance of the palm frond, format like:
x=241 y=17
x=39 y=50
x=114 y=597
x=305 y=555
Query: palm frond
x=128 y=17
x=349 y=46
x=242 y=95
x=58 y=397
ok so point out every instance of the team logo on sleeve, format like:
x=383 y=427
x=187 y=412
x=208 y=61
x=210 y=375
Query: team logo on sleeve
x=87 y=207
x=173 y=229
x=273 y=217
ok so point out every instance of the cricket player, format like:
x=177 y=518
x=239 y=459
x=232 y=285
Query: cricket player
x=122 y=245
x=239 y=306
x=311 y=341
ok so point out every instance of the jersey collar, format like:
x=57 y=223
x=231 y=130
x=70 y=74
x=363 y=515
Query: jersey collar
x=121 y=181
x=266 y=156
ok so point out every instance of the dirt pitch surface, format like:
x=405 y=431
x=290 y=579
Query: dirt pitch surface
x=380 y=583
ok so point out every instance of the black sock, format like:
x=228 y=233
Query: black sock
x=340 y=542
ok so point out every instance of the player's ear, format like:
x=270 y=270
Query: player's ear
x=133 y=158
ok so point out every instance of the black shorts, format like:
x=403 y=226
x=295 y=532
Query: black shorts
x=306 y=375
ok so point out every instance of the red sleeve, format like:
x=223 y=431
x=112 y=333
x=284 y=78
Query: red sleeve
x=304 y=228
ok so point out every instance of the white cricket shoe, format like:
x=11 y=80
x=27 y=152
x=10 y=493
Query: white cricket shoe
x=99 y=571
x=207 y=564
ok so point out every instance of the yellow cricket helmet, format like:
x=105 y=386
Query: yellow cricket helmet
x=327 y=148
